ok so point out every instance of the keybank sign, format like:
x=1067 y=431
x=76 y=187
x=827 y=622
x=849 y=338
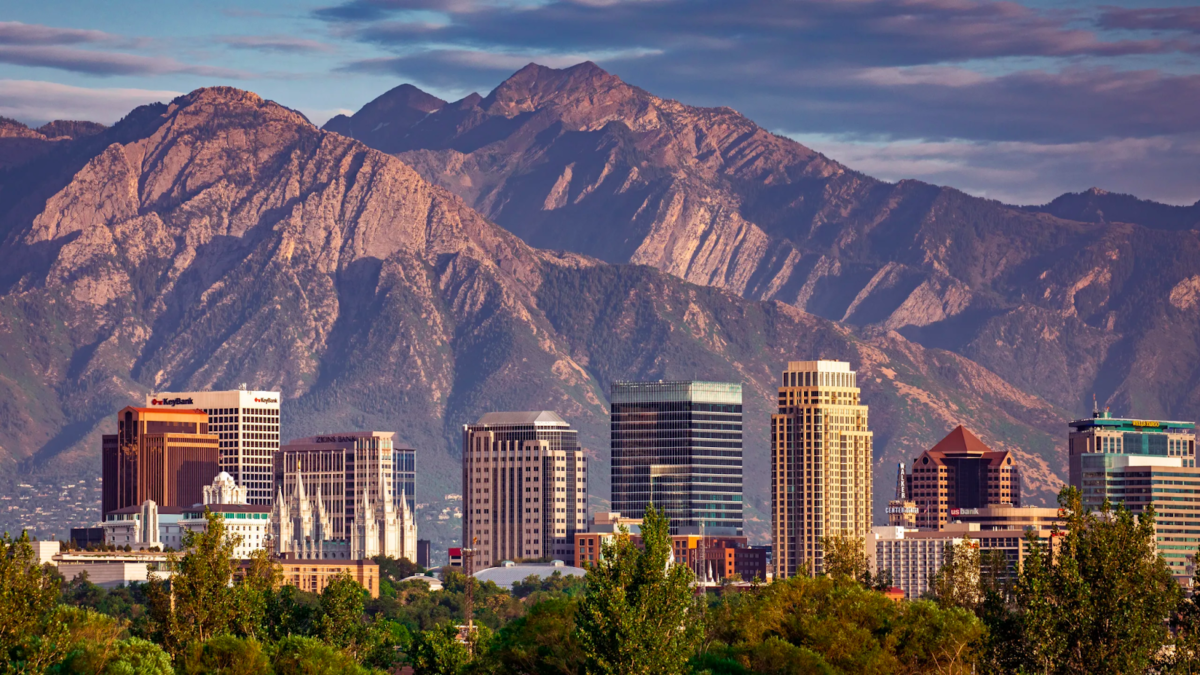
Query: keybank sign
x=171 y=401
x=266 y=400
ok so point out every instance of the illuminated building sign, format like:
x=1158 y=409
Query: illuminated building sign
x=1144 y=423
x=266 y=400
x=336 y=439
x=171 y=401
x=964 y=512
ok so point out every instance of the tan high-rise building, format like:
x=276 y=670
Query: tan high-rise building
x=167 y=456
x=524 y=487
x=820 y=464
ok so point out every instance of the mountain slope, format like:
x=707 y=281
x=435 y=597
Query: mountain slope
x=222 y=239
x=1066 y=301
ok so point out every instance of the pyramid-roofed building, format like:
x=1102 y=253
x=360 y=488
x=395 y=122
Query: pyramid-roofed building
x=961 y=472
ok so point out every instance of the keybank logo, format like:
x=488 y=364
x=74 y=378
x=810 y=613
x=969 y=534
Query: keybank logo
x=171 y=401
x=266 y=400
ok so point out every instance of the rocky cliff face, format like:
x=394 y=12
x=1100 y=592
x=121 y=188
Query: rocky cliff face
x=222 y=239
x=1090 y=294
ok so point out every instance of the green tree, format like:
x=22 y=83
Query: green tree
x=956 y=583
x=31 y=638
x=1097 y=601
x=226 y=655
x=297 y=655
x=834 y=625
x=341 y=621
x=639 y=615
x=199 y=602
x=1183 y=657
x=290 y=611
x=543 y=642
x=438 y=652
x=845 y=556
x=135 y=656
x=93 y=640
x=253 y=593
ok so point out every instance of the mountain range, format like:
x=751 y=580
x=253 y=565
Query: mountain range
x=421 y=262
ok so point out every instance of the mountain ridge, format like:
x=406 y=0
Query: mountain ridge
x=222 y=238
x=1066 y=299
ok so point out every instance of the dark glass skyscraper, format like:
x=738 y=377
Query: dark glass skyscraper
x=404 y=475
x=678 y=445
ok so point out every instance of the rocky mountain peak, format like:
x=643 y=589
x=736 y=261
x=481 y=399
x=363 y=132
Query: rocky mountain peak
x=385 y=120
x=536 y=86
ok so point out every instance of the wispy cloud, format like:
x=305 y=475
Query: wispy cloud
x=282 y=44
x=93 y=62
x=1170 y=19
x=17 y=33
x=36 y=103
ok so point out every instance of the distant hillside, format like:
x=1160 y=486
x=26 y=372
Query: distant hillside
x=1093 y=294
x=223 y=239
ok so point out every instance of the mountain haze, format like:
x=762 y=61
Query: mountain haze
x=222 y=239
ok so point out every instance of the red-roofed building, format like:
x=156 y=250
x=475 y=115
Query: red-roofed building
x=960 y=472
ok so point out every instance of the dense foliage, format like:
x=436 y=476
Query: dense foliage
x=1095 y=598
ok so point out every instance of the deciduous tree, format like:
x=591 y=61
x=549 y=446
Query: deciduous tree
x=639 y=616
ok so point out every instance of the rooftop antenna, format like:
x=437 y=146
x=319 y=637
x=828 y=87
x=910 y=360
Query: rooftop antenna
x=242 y=386
x=1095 y=406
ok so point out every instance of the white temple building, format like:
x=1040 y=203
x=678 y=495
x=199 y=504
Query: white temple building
x=335 y=500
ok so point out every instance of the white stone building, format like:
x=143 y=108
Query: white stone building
x=335 y=500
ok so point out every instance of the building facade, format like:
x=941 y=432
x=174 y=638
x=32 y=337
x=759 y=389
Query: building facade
x=144 y=527
x=166 y=456
x=821 y=459
x=149 y=526
x=247 y=423
x=1104 y=434
x=678 y=446
x=404 y=475
x=335 y=499
x=314 y=575
x=524 y=487
x=1135 y=481
x=1010 y=517
x=960 y=472
x=913 y=557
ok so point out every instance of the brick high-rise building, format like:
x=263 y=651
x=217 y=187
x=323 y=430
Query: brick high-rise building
x=821 y=458
x=167 y=456
x=960 y=472
x=524 y=487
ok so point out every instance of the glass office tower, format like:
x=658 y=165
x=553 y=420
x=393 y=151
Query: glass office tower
x=404 y=475
x=678 y=446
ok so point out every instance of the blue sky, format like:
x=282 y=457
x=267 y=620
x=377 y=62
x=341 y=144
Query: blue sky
x=1018 y=101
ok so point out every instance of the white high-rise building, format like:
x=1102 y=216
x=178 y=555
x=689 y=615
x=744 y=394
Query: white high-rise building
x=247 y=423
